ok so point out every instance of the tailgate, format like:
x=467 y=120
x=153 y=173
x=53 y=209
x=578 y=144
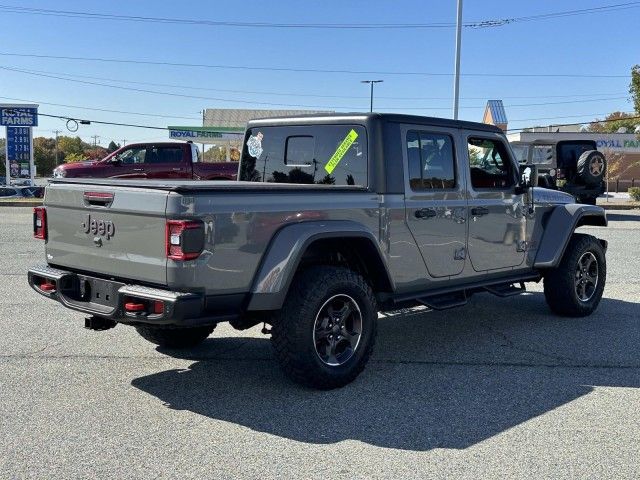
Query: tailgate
x=109 y=230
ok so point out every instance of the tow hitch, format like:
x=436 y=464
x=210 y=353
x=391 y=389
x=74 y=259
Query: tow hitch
x=98 y=323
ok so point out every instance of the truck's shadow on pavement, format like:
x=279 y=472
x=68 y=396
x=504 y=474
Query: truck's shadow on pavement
x=438 y=379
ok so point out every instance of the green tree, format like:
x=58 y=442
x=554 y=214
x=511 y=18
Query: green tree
x=96 y=153
x=634 y=88
x=74 y=157
x=614 y=121
x=44 y=155
x=71 y=145
x=214 y=154
x=113 y=146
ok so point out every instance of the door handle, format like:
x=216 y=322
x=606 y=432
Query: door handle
x=137 y=169
x=479 y=211
x=425 y=213
x=177 y=169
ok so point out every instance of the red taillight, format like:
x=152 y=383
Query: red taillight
x=158 y=306
x=184 y=239
x=40 y=223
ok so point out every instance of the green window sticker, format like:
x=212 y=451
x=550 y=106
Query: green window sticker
x=341 y=151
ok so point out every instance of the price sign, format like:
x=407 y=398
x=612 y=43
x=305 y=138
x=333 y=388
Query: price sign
x=19 y=151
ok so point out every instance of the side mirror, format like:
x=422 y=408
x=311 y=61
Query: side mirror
x=116 y=160
x=528 y=178
x=528 y=175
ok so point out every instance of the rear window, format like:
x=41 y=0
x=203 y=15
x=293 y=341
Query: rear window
x=318 y=154
x=569 y=153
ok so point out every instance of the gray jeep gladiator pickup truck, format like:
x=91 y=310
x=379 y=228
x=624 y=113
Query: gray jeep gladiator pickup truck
x=334 y=218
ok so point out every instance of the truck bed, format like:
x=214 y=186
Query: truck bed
x=203 y=185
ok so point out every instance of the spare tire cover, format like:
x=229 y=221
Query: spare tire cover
x=591 y=167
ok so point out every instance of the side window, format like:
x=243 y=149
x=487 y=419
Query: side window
x=489 y=163
x=320 y=154
x=156 y=155
x=431 y=161
x=133 y=156
x=542 y=154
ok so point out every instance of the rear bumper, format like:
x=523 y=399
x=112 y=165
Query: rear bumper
x=584 y=191
x=107 y=299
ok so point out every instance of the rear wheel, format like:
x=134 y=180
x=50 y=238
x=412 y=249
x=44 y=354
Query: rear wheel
x=325 y=332
x=574 y=288
x=174 y=337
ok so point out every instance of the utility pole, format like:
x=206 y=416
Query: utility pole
x=371 y=82
x=203 y=110
x=95 y=140
x=57 y=132
x=124 y=142
x=456 y=76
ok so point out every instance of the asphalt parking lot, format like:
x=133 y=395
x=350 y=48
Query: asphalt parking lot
x=499 y=388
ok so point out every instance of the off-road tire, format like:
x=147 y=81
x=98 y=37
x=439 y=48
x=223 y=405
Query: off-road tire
x=174 y=337
x=559 y=283
x=584 y=167
x=292 y=333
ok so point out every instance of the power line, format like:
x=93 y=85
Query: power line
x=491 y=23
x=253 y=102
x=117 y=124
x=306 y=95
x=86 y=121
x=100 y=109
x=288 y=94
x=308 y=70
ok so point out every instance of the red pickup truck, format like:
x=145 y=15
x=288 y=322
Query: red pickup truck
x=151 y=160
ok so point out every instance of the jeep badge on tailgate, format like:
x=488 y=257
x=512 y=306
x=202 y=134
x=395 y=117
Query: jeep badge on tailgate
x=104 y=228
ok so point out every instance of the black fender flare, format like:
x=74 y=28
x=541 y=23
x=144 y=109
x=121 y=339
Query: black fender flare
x=281 y=259
x=562 y=222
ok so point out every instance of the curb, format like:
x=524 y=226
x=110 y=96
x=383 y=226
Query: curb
x=620 y=207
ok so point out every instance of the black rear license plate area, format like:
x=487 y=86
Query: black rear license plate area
x=98 y=291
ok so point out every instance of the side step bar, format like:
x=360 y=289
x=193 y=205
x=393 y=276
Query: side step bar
x=445 y=301
x=449 y=297
x=506 y=289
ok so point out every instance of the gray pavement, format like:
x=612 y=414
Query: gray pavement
x=499 y=388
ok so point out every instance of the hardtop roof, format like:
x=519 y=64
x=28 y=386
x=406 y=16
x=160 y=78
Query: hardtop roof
x=368 y=117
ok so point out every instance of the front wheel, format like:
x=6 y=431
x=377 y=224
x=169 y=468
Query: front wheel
x=574 y=288
x=324 y=333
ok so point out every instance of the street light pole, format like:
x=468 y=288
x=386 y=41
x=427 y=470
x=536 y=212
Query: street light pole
x=371 y=82
x=57 y=132
x=456 y=76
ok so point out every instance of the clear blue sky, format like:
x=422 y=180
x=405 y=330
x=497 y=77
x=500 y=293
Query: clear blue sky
x=605 y=43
